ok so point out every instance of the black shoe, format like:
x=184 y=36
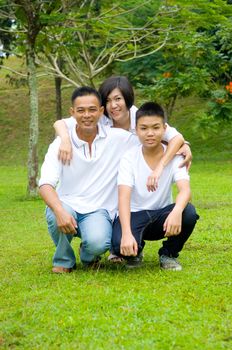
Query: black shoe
x=134 y=261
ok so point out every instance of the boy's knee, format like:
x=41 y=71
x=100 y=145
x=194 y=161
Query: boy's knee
x=116 y=237
x=190 y=216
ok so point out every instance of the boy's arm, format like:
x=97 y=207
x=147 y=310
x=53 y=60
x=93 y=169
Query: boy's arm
x=172 y=224
x=173 y=146
x=65 y=221
x=65 y=150
x=128 y=243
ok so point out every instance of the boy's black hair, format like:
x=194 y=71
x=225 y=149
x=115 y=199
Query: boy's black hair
x=117 y=82
x=150 y=109
x=84 y=91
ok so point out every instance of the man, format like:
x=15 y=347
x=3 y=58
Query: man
x=85 y=201
x=146 y=213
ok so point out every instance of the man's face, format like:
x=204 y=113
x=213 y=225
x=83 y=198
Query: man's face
x=150 y=130
x=87 y=111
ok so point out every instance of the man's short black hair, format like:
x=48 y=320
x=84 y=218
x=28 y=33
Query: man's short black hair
x=150 y=109
x=117 y=82
x=84 y=91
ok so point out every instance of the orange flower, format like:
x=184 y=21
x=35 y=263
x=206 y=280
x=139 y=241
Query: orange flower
x=167 y=75
x=220 y=100
x=229 y=87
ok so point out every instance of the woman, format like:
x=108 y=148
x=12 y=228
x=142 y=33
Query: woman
x=118 y=101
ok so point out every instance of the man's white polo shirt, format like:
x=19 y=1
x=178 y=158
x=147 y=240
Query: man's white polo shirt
x=134 y=172
x=88 y=183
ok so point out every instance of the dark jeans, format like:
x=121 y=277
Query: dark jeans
x=148 y=225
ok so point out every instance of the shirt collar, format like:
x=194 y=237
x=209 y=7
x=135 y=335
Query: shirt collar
x=102 y=133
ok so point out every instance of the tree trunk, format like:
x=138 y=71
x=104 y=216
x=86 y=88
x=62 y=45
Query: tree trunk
x=170 y=106
x=58 y=82
x=34 y=125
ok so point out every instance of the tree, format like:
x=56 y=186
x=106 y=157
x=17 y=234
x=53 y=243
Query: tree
x=28 y=18
x=100 y=33
x=195 y=60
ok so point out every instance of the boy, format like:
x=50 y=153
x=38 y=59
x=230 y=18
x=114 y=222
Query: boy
x=145 y=214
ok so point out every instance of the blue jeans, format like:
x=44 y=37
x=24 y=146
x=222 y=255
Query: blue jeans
x=148 y=225
x=94 y=229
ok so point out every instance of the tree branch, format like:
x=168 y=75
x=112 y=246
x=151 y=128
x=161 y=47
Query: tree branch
x=14 y=71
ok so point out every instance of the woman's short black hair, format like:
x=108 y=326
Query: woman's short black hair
x=117 y=82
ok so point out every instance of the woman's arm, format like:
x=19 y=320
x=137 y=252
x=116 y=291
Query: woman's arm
x=65 y=150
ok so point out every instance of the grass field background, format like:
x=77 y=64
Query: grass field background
x=113 y=308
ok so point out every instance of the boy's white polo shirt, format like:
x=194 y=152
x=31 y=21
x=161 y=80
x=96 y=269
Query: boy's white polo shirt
x=134 y=172
x=88 y=183
x=170 y=132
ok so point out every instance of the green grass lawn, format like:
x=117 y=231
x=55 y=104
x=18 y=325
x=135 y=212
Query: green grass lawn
x=113 y=308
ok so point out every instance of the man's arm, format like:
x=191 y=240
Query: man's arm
x=128 y=243
x=173 y=146
x=65 y=221
x=172 y=224
x=65 y=150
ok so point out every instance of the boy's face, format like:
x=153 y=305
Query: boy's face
x=87 y=111
x=150 y=130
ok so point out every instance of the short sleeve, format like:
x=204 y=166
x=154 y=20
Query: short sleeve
x=179 y=173
x=51 y=167
x=70 y=122
x=125 y=172
x=170 y=132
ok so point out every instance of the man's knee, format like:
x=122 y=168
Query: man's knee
x=97 y=245
x=51 y=218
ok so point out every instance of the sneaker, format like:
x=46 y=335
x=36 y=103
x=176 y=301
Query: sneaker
x=134 y=261
x=169 y=263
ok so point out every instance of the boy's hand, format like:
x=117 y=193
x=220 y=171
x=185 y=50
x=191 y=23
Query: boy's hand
x=185 y=151
x=65 y=151
x=152 y=181
x=128 y=245
x=172 y=224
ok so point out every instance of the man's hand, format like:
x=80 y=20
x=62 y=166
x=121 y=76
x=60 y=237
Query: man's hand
x=66 y=222
x=172 y=224
x=129 y=245
x=65 y=151
x=152 y=180
x=185 y=151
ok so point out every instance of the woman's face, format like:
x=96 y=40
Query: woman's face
x=116 y=106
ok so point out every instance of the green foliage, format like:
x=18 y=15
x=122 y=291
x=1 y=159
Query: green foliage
x=219 y=109
x=196 y=56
